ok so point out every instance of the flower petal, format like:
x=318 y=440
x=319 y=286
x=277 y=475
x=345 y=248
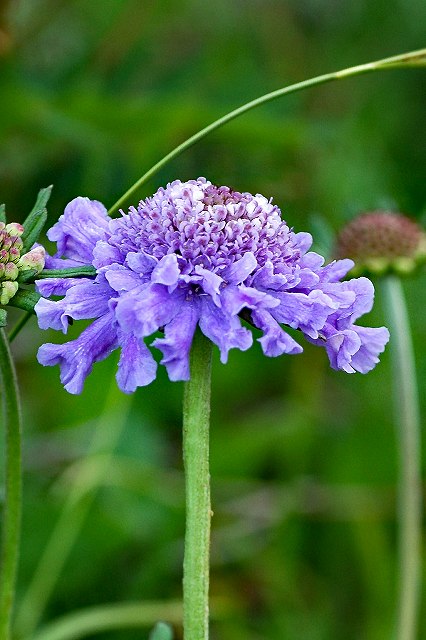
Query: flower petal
x=76 y=358
x=136 y=367
x=166 y=271
x=145 y=309
x=275 y=341
x=223 y=329
x=57 y=286
x=306 y=312
x=240 y=269
x=177 y=341
x=77 y=231
x=373 y=341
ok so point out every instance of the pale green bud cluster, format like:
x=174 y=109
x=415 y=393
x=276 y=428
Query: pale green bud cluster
x=12 y=264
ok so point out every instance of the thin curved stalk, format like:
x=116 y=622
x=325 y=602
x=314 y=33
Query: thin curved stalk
x=196 y=417
x=86 y=622
x=407 y=418
x=13 y=486
x=413 y=58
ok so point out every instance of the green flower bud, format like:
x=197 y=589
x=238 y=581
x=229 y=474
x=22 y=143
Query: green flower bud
x=7 y=291
x=380 y=242
x=33 y=260
x=11 y=271
x=15 y=229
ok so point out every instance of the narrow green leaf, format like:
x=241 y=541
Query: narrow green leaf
x=3 y=317
x=2 y=213
x=72 y=272
x=25 y=300
x=36 y=219
x=42 y=200
x=161 y=631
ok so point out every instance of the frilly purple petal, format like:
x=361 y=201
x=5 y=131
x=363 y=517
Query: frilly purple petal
x=77 y=231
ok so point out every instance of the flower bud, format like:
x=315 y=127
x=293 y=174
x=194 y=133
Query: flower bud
x=15 y=229
x=11 y=271
x=33 y=260
x=7 y=291
x=380 y=242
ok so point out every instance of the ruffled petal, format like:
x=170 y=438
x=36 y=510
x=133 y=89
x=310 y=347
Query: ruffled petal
x=86 y=300
x=141 y=262
x=275 y=341
x=105 y=254
x=77 y=231
x=341 y=347
x=57 y=286
x=210 y=283
x=136 y=367
x=144 y=310
x=166 y=271
x=223 y=329
x=177 y=341
x=373 y=341
x=306 y=312
x=240 y=269
x=120 y=278
x=236 y=298
x=76 y=358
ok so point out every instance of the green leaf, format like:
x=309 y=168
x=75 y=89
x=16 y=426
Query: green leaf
x=72 y=272
x=25 y=300
x=3 y=318
x=36 y=219
x=161 y=631
x=2 y=213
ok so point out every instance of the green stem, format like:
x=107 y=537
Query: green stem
x=81 y=494
x=196 y=412
x=413 y=58
x=13 y=486
x=408 y=432
x=16 y=329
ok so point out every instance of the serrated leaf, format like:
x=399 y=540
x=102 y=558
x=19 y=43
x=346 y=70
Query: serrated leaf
x=36 y=219
x=25 y=300
x=2 y=213
x=161 y=631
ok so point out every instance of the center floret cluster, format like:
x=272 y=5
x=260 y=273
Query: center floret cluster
x=196 y=255
x=204 y=225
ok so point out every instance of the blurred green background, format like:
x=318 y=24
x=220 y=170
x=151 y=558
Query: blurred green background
x=303 y=459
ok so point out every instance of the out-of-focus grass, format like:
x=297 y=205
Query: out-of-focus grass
x=303 y=458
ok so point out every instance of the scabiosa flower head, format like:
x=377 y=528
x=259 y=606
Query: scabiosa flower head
x=196 y=255
x=382 y=241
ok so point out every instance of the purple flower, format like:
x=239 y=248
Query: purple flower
x=196 y=254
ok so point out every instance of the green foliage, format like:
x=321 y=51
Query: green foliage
x=36 y=219
x=302 y=458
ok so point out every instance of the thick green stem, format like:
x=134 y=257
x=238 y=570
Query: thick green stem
x=196 y=413
x=13 y=486
x=408 y=432
x=413 y=58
